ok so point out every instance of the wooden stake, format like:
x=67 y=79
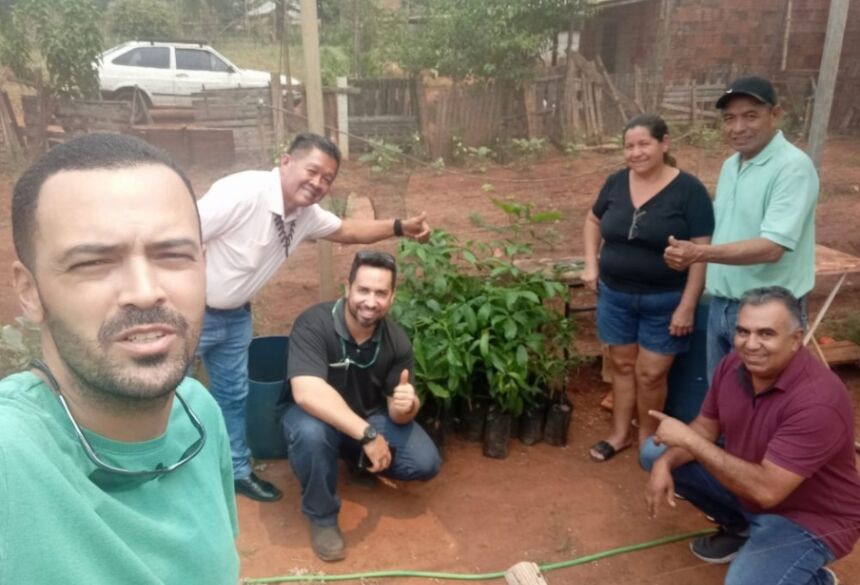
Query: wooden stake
x=612 y=91
x=693 y=105
x=637 y=89
x=277 y=111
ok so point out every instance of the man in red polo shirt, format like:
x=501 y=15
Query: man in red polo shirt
x=784 y=486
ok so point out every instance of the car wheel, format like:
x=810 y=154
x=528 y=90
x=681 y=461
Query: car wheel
x=126 y=94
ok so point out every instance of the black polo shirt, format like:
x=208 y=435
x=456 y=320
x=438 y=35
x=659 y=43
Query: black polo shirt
x=321 y=346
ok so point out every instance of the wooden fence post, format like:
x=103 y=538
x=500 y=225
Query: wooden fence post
x=277 y=109
x=343 y=118
x=530 y=102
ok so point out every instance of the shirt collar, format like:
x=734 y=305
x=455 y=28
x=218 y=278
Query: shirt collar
x=776 y=143
x=275 y=196
x=338 y=311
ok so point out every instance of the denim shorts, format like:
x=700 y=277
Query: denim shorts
x=643 y=318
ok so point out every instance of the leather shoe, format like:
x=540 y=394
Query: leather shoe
x=327 y=542
x=257 y=489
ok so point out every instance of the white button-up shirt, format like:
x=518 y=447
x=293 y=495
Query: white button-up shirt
x=243 y=249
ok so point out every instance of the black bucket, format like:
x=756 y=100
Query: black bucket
x=267 y=369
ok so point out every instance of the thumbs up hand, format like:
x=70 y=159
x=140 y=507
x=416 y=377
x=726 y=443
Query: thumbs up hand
x=679 y=254
x=403 y=399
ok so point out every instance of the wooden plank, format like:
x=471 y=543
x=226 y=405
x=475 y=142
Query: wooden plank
x=830 y=262
x=612 y=91
x=11 y=141
x=524 y=573
x=220 y=113
x=838 y=353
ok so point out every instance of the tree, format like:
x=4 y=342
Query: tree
x=140 y=19
x=67 y=36
x=480 y=39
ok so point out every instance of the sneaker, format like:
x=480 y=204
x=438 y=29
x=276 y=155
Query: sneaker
x=327 y=542
x=718 y=548
x=834 y=580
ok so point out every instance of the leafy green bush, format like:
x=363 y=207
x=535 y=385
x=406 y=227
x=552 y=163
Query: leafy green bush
x=382 y=156
x=66 y=34
x=470 y=311
x=528 y=148
x=525 y=224
x=140 y=19
x=19 y=343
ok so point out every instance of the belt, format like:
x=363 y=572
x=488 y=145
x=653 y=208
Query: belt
x=245 y=307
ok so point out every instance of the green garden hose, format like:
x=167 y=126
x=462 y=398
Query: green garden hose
x=478 y=576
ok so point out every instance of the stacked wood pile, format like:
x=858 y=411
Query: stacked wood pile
x=85 y=116
x=592 y=109
x=247 y=112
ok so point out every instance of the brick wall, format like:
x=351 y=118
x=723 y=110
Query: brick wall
x=723 y=38
x=715 y=40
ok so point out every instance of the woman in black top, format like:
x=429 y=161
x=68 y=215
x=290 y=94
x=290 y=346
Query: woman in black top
x=644 y=308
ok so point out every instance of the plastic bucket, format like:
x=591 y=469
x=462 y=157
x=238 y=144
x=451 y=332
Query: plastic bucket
x=688 y=377
x=267 y=369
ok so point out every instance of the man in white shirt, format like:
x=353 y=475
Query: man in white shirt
x=251 y=222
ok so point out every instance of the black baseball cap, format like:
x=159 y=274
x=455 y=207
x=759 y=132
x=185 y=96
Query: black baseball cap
x=753 y=86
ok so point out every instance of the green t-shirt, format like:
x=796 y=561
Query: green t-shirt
x=57 y=526
x=772 y=196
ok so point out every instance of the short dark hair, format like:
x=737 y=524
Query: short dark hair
x=657 y=128
x=769 y=294
x=307 y=141
x=87 y=152
x=375 y=259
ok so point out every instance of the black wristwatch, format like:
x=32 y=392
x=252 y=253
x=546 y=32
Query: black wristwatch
x=370 y=433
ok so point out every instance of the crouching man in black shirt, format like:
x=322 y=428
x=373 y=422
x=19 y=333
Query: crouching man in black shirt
x=349 y=393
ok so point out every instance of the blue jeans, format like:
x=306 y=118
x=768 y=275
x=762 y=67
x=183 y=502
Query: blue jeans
x=223 y=348
x=649 y=452
x=315 y=447
x=778 y=551
x=722 y=320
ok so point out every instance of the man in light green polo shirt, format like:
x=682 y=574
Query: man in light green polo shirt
x=764 y=210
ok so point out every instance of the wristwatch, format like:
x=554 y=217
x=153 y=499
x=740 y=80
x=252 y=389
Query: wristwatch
x=370 y=433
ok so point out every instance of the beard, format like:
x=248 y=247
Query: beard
x=364 y=322
x=105 y=376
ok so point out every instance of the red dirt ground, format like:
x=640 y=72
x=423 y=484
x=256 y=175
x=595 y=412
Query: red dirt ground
x=542 y=503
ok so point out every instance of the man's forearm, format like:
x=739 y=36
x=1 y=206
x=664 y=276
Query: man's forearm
x=742 y=478
x=741 y=253
x=317 y=398
x=363 y=231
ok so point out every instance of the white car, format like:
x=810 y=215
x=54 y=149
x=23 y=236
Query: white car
x=168 y=73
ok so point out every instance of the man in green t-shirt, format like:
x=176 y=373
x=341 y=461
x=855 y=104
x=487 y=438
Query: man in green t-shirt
x=764 y=210
x=114 y=467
